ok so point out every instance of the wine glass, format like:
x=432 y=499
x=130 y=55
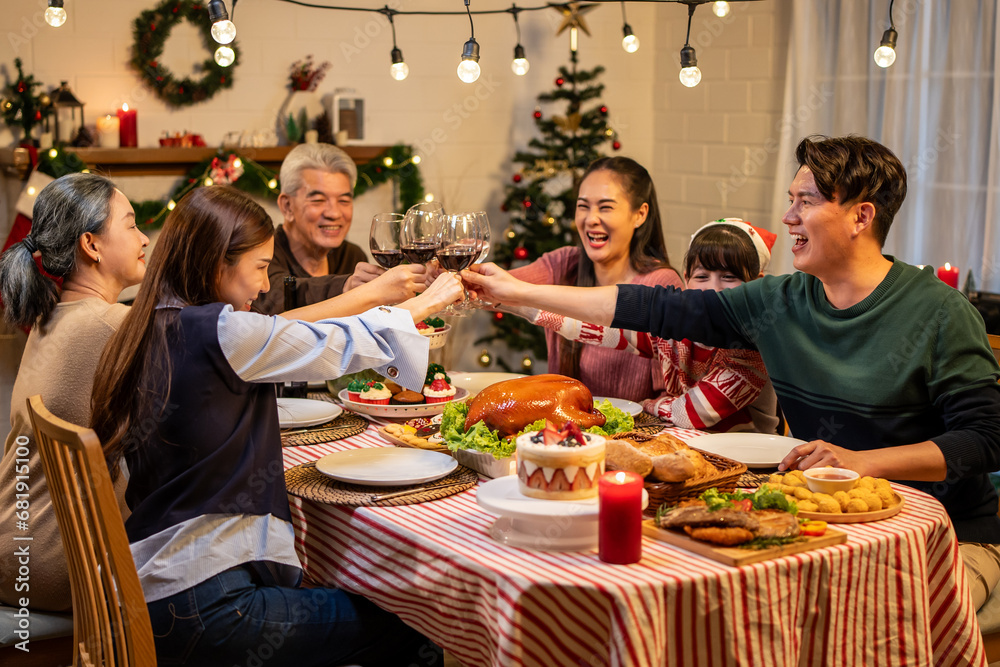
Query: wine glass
x=484 y=234
x=461 y=245
x=383 y=240
x=419 y=235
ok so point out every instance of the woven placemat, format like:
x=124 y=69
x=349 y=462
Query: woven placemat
x=306 y=482
x=321 y=396
x=344 y=426
x=648 y=424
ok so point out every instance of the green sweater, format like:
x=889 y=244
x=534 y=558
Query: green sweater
x=909 y=363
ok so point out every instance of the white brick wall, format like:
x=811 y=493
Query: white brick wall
x=691 y=139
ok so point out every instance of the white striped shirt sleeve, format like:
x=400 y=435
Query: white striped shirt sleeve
x=263 y=348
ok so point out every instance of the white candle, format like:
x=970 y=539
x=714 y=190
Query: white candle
x=107 y=128
x=312 y=136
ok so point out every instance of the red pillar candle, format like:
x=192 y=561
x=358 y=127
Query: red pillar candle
x=128 y=132
x=620 y=517
x=949 y=274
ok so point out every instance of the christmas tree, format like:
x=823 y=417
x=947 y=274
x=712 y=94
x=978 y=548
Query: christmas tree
x=21 y=105
x=541 y=199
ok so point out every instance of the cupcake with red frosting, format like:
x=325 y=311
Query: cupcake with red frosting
x=439 y=391
x=376 y=394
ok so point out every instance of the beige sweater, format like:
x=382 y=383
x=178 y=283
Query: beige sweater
x=60 y=365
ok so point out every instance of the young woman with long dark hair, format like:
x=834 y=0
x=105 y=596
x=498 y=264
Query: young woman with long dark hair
x=621 y=241
x=186 y=396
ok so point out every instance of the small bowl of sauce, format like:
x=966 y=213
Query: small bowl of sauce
x=830 y=480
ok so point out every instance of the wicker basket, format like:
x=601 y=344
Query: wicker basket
x=727 y=474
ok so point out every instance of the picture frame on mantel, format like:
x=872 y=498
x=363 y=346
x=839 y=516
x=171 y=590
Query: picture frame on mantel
x=348 y=115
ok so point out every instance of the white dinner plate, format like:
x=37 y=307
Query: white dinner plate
x=386 y=466
x=400 y=411
x=536 y=523
x=476 y=382
x=628 y=407
x=755 y=450
x=302 y=412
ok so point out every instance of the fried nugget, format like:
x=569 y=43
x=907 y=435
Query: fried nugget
x=827 y=503
x=801 y=492
x=776 y=479
x=808 y=506
x=794 y=480
x=726 y=537
x=842 y=499
x=856 y=506
x=865 y=482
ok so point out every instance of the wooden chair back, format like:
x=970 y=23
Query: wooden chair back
x=110 y=620
x=995 y=344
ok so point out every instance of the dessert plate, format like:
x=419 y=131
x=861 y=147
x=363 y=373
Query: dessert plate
x=628 y=407
x=535 y=523
x=301 y=412
x=754 y=450
x=386 y=466
x=399 y=411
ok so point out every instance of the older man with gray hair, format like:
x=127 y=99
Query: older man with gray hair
x=317 y=204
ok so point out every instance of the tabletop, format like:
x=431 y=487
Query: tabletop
x=893 y=594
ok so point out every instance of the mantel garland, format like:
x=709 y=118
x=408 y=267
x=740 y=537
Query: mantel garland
x=229 y=167
x=150 y=31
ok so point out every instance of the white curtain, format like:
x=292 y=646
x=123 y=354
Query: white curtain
x=937 y=108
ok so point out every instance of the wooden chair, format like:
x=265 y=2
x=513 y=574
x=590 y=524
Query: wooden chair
x=111 y=625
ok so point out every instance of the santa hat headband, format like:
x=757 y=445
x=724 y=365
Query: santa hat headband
x=763 y=240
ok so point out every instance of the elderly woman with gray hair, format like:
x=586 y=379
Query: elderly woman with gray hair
x=85 y=231
x=317 y=207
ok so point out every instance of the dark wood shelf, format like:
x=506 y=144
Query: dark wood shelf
x=117 y=162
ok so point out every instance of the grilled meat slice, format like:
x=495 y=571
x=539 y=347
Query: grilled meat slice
x=697 y=517
x=727 y=537
x=776 y=523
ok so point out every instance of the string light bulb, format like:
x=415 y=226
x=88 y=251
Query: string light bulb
x=468 y=68
x=223 y=30
x=398 y=70
x=720 y=9
x=885 y=54
x=55 y=15
x=225 y=56
x=689 y=75
x=629 y=41
x=520 y=64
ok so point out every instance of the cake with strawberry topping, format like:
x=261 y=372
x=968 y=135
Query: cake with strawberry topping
x=439 y=391
x=375 y=393
x=430 y=326
x=559 y=463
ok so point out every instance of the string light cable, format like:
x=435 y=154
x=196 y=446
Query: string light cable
x=689 y=75
x=885 y=54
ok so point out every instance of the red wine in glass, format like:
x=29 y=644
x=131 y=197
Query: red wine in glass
x=420 y=252
x=387 y=258
x=457 y=257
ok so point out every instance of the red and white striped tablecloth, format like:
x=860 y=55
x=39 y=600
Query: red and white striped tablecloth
x=894 y=594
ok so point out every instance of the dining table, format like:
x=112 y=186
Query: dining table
x=894 y=593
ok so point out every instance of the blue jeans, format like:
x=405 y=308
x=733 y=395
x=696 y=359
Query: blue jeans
x=230 y=621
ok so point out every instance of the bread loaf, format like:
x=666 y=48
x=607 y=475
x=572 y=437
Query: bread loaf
x=623 y=455
x=662 y=444
x=680 y=466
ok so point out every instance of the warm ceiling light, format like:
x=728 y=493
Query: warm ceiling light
x=468 y=69
x=885 y=54
x=223 y=30
x=55 y=15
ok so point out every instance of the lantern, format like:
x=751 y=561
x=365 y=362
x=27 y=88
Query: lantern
x=65 y=104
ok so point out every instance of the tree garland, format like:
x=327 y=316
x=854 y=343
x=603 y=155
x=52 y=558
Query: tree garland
x=228 y=167
x=150 y=31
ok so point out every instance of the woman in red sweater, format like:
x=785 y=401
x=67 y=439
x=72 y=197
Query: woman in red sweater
x=618 y=220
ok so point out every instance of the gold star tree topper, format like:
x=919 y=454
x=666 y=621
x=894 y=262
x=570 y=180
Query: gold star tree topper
x=573 y=16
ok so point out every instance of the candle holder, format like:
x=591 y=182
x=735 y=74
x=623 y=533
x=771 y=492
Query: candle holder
x=620 y=517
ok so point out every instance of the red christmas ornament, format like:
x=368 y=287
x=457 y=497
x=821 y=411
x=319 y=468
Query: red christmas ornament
x=560 y=81
x=498 y=316
x=504 y=207
x=520 y=253
x=527 y=203
x=538 y=114
x=152 y=63
x=517 y=178
x=604 y=111
x=20 y=86
x=616 y=145
x=152 y=26
x=38 y=115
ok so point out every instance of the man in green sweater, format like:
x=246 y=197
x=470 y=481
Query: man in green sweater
x=879 y=365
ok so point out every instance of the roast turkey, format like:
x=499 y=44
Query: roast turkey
x=508 y=406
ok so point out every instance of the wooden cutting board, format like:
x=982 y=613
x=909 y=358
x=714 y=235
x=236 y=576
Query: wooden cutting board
x=734 y=555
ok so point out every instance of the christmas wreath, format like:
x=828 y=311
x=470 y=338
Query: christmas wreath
x=151 y=29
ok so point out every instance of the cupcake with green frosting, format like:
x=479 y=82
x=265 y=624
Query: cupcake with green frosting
x=354 y=390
